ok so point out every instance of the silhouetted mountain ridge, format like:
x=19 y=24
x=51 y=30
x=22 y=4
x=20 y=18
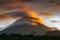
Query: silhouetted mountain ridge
x=26 y=29
x=27 y=24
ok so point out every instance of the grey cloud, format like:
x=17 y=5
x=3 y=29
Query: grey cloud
x=55 y=21
x=46 y=14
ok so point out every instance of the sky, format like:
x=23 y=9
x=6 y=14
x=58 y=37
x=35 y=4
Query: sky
x=6 y=21
x=49 y=10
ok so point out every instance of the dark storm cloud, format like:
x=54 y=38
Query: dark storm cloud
x=12 y=4
x=57 y=2
x=5 y=1
x=27 y=0
x=8 y=7
x=52 y=1
x=9 y=1
x=9 y=4
x=2 y=2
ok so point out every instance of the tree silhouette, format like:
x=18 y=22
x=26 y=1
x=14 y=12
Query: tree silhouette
x=27 y=37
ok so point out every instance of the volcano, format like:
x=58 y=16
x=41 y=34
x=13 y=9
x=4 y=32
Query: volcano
x=29 y=23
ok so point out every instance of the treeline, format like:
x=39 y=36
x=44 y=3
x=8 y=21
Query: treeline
x=27 y=37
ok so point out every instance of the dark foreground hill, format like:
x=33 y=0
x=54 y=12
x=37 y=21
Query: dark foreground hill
x=27 y=37
x=53 y=33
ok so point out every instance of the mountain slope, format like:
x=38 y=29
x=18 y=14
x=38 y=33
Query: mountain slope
x=27 y=16
x=6 y=20
x=29 y=23
x=26 y=29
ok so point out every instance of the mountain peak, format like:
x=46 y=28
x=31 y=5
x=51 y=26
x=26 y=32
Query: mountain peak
x=27 y=24
x=28 y=16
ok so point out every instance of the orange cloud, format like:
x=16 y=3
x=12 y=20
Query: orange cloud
x=4 y=16
x=25 y=8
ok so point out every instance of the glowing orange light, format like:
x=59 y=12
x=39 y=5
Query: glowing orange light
x=34 y=15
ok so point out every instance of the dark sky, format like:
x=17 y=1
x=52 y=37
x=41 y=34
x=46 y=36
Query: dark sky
x=37 y=5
